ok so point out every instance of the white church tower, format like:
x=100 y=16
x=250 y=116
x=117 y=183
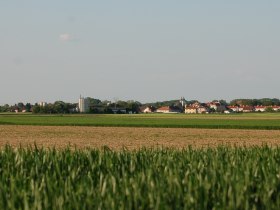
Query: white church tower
x=183 y=101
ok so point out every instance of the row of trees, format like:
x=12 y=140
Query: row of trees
x=256 y=102
x=5 y=108
x=98 y=106
x=58 y=107
x=19 y=107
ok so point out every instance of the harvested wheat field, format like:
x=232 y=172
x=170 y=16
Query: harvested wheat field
x=132 y=138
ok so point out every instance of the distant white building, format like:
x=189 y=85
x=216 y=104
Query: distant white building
x=83 y=105
x=42 y=104
x=260 y=108
x=235 y=108
x=168 y=109
x=190 y=110
x=276 y=108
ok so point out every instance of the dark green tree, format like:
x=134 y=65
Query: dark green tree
x=28 y=107
x=269 y=109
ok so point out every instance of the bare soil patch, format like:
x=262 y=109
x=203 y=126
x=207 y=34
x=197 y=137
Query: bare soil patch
x=132 y=138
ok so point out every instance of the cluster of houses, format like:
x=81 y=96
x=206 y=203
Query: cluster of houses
x=201 y=108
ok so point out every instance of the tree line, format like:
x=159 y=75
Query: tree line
x=98 y=106
x=256 y=102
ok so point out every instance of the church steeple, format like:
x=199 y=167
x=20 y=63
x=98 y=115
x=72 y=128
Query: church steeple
x=182 y=101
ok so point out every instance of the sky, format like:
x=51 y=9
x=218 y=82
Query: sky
x=148 y=50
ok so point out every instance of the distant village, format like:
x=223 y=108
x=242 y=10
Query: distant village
x=209 y=107
x=96 y=106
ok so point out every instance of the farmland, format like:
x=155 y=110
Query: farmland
x=235 y=121
x=140 y=161
x=131 y=138
x=219 y=178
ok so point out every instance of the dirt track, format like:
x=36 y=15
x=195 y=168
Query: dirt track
x=132 y=138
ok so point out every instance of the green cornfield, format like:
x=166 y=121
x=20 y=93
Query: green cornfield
x=210 y=178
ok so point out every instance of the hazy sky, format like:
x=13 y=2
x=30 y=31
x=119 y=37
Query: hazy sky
x=146 y=50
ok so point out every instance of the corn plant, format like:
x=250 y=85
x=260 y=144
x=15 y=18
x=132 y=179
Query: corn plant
x=217 y=178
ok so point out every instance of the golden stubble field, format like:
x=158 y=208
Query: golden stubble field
x=132 y=138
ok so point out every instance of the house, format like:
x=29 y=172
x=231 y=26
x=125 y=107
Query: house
x=247 y=108
x=276 y=108
x=196 y=108
x=260 y=108
x=168 y=109
x=196 y=104
x=217 y=106
x=147 y=109
x=190 y=110
x=234 y=108
x=202 y=109
x=240 y=109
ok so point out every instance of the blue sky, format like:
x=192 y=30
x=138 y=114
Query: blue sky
x=141 y=50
